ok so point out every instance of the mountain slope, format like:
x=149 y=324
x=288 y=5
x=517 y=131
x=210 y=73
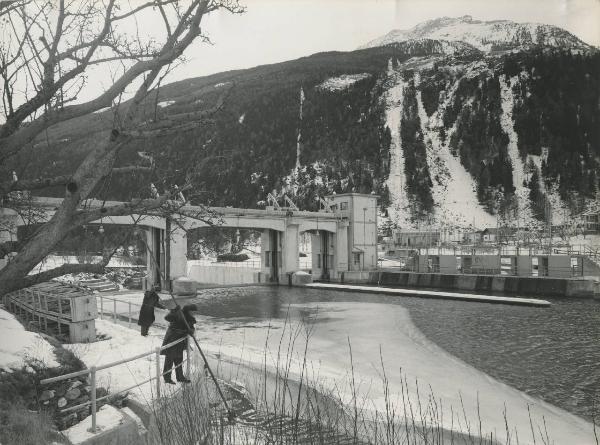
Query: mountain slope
x=443 y=132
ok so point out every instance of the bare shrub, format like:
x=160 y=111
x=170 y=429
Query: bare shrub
x=18 y=425
x=293 y=405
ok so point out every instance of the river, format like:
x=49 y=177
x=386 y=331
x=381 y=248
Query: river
x=474 y=356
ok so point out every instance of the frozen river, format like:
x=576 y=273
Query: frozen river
x=506 y=357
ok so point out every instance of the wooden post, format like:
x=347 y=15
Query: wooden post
x=93 y=397
x=101 y=307
x=158 y=373
x=167 y=245
x=129 y=323
x=189 y=358
x=114 y=310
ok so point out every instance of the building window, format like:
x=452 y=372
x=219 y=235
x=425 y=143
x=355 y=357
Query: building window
x=356 y=258
x=343 y=205
x=267 y=258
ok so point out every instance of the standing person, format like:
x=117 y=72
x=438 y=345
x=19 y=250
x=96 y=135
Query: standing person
x=146 y=317
x=177 y=329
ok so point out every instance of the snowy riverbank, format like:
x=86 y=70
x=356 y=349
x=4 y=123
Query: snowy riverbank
x=408 y=357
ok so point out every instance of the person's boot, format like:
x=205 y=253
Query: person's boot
x=169 y=381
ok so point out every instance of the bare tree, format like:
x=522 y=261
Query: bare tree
x=47 y=49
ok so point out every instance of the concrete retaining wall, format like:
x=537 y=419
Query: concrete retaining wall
x=525 y=286
x=222 y=274
x=358 y=276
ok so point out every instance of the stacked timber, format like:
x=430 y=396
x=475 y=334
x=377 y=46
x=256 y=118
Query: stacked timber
x=60 y=309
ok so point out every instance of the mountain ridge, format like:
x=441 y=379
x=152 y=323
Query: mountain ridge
x=442 y=131
x=485 y=35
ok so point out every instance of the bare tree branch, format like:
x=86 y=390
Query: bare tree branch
x=54 y=55
x=11 y=142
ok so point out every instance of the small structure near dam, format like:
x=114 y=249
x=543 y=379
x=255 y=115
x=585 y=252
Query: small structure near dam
x=59 y=309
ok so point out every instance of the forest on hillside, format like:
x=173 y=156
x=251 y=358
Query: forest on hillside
x=248 y=147
x=558 y=110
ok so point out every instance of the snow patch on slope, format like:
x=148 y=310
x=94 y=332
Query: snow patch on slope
x=507 y=122
x=165 y=103
x=342 y=82
x=560 y=210
x=454 y=190
x=108 y=417
x=19 y=345
x=396 y=182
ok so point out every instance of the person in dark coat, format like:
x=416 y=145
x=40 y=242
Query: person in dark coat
x=177 y=329
x=146 y=317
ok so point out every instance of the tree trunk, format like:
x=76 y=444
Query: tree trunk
x=96 y=166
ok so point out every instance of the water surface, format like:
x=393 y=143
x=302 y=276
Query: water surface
x=550 y=353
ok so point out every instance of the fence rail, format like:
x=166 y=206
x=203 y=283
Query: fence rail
x=573 y=271
x=91 y=372
x=248 y=264
x=114 y=310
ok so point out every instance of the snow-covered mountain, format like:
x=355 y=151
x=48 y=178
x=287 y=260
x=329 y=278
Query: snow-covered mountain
x=455 y=121
x=485 y=35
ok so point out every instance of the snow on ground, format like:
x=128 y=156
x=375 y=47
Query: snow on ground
x=396 y=182
x=256 y=343
x=17 y=345
x=123 y=342
x=454 y=190
x=342 y=82
x=107 y=418
x=475 y=69
x=420 y=63
x=166 y=103
x=53 y=261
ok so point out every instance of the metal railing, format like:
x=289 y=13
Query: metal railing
x=91 y=372
x=116 y=309
x=503 y=249
x=503 y=269
x=248 y=264
x=120 y=309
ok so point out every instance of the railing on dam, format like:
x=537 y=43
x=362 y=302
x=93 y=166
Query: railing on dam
x=253 y=263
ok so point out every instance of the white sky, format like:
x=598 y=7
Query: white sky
x=278 y=30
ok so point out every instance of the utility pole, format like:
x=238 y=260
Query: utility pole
x=364 y=236
x=518 y=226
x=549 y=219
